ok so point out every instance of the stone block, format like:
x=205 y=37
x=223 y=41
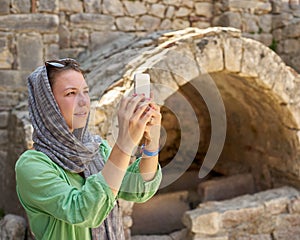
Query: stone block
x=14 y=79
x=50 y=38
x=74 y=6
x=170 y=12
x=292 y=30
x=291 y=46
x=233 y=54
x=30 y=49
x=29 y=23
x=113 y=7
x=265 y=23
x=80 y=38
x=21 y=6
x=6 y=58
x=51 y=51
x=161 y=214
x=226 y=187
x=4 y=119
x=4 y=137
x=48 y=6
x=230 y=19
x=92 y=6
x=281 y=20
x=135 y=8
x=209 y=54
x=125 y=23
x=4 y=6
x=201 y=221
x=294 y=206
x=254 y=237
x=250 y=215
x=92 y=21
x=8 y=99
x=158 y=10
x=183 y=12
x=64 y=36
x=258 y=7
x=12 y=227
x=204 y=9
x=148 y=23
x=180 y=24
x=287 y=227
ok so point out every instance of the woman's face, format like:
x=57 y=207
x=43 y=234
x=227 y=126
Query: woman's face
x=72 y=96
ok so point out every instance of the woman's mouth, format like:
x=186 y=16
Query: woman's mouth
x=81 y=114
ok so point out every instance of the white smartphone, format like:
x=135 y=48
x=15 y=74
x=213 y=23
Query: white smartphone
x=142 y=84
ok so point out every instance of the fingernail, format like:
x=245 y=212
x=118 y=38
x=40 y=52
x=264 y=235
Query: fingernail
x=148 y=99
x=134 y=95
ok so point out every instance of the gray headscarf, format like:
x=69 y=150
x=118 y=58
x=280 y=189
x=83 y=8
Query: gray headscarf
x=75 y=152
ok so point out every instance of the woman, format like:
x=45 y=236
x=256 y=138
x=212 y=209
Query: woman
x=69 y=183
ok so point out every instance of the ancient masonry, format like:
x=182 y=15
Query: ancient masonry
x=260 y=92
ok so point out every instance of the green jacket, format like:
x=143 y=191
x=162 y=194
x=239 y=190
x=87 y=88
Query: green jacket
x=63 y=205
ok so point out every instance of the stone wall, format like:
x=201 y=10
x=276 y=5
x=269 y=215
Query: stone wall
x=32 y=31
x=273 y=214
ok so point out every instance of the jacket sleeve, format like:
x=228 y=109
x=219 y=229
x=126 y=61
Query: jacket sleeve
x=43 y=187
x=133 y=187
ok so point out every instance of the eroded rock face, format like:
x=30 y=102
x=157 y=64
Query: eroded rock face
x=12 y=227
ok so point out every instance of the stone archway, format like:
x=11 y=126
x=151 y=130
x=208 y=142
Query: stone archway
x=253 y=81
x=259 y=92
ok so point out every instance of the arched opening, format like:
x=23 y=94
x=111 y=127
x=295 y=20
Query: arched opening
x=259 y=93
x=260 y=141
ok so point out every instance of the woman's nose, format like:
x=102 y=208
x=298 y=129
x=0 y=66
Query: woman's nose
x=83 y=99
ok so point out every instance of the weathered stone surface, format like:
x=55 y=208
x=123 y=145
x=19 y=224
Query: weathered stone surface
x=71 y=6
x=125 y=23
x=197 y=221
x=80 y=38
x=8 y=99
x=29 y=22
x=92 y=6
x=204 y=9
x=180 y=23
x=147 y=22
x=20 y=6
x=162 y=220
x=226 y=188
x=4 y=6
x=158 y=10
x=48 y=6
x=30 y=48
x=135 y=8
x=292 y=30
x=4 y=119
x=64 y=36
x=183 y=12
x=52 y=51
x=14 y=79
x=230 y=19
x=12 y=227
x=209 y=55
x=170 y=12
x=6 y=58
x=50 y=38
x=233 y=54
x=92 y=21
x=113 y=7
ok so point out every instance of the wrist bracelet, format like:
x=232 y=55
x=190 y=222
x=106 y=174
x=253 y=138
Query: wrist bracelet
x=150 y=154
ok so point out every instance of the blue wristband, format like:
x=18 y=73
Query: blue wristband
x=150 y=154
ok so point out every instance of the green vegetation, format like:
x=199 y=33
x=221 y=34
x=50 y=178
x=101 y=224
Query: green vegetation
x=273 y=45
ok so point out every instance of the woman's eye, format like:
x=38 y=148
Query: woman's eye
x=70 y=93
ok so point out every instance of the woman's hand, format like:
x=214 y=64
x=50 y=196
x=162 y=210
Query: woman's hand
x=152 y=130
x=133 y=118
